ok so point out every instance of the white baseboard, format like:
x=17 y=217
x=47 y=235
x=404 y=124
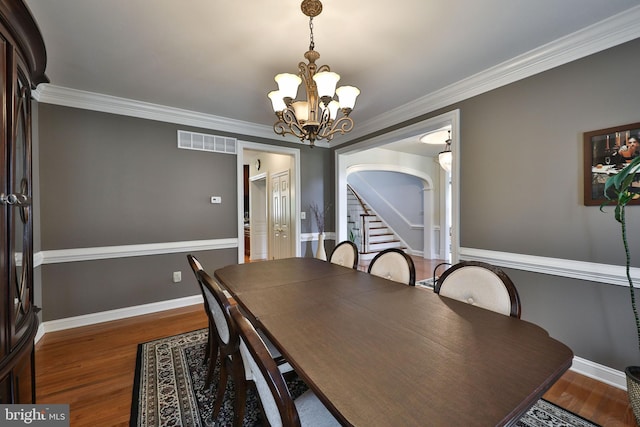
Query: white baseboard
x=121 y=313
x=599 y=372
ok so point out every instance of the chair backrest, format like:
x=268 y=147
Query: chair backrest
x=219 y=306
x=345 y=254
x=481 y=284
x=394 y=264
x=195 y=264
x=274 y=395
x=197 y=268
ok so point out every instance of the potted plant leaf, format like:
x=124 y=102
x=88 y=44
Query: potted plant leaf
x=619 y=190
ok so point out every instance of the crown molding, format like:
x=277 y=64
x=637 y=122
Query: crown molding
x=600 y=36
x=68 y=97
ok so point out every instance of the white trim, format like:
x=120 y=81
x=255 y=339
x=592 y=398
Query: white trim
x=38 y=259
x=313 y=237
x=125 y=251
x=39 y=333
x=366 y=167
x=581 y=270
x=295 y=197
x=602 y=35
x=451 y=118
x=121 y=313
x=599 y=372
x=68 y=97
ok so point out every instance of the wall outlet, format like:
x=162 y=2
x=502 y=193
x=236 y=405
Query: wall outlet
x=216 y=199
x=177 y=276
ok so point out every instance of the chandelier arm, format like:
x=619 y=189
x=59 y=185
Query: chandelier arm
x=288 y=123
x=343 y=125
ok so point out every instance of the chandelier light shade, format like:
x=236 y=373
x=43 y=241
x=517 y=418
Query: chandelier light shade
x=445 y=157
x=319 y=115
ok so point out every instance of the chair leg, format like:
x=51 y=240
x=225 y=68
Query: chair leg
x=207 y=350
x=213 y=360
x=222 y=385
x=240 y=383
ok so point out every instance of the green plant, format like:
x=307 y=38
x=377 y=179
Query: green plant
x=619 y=190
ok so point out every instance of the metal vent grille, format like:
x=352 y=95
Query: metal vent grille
x=204 y=142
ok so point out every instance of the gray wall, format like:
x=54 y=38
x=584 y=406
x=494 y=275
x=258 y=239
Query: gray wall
x=521 y=192
x=109 y=180
x=521 y=187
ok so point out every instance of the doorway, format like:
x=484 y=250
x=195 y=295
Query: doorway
x=258 y=214
x=255 y=224
x=450 y=201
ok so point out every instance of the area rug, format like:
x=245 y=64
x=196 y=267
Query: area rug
x=169 y=390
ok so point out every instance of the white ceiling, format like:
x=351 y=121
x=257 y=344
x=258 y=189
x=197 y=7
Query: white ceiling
x=219 y=57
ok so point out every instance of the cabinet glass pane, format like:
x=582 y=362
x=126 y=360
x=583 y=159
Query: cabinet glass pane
x=21 y=209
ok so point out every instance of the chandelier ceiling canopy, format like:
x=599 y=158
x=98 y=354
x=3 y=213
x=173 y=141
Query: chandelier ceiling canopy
x=318 y=116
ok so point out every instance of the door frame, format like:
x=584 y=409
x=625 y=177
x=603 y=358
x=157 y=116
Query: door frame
x=294 y=183
x=451 y=118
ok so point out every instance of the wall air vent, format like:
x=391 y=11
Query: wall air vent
x=204 y=142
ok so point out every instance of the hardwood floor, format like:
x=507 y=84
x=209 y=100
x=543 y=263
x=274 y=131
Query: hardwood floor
x=92 y=369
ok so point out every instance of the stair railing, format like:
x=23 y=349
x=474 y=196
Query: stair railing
x=363 y=235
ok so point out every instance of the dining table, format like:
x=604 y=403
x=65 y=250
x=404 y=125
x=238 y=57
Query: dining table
x=381 y=353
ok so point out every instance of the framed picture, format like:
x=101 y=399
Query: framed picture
x=606 y=152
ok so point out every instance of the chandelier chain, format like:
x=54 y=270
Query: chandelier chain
x=311 y=43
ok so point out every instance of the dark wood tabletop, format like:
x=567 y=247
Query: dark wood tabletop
x=380 y=353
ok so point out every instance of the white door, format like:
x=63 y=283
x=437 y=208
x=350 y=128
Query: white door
x=280 y=216
x=258 y=218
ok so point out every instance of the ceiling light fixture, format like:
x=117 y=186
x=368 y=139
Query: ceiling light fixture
x=315 y=117
x=445 y=157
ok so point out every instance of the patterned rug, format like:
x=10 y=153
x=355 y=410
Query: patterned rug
x=169 y=390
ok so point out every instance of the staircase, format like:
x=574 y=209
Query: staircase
x=368 y=231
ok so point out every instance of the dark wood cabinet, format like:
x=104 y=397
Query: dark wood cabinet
x=22 y=64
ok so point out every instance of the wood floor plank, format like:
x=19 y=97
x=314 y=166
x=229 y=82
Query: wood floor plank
x=92 y=368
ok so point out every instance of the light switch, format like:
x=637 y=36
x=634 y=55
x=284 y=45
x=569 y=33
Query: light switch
x=216 y=199
x=303 y=215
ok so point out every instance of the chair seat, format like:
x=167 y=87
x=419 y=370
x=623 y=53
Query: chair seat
x=312 y=412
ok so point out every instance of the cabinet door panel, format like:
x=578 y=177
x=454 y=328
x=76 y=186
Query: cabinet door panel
x=20 y=211
x=4 y=209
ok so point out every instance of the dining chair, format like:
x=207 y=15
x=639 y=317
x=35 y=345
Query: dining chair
x=231 y=363
x=345 y=254
x=278 y=406
x=211 y=351
x=394 y=264
x=482 y=284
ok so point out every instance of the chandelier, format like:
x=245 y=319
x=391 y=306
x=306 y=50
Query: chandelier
x=316 y=117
